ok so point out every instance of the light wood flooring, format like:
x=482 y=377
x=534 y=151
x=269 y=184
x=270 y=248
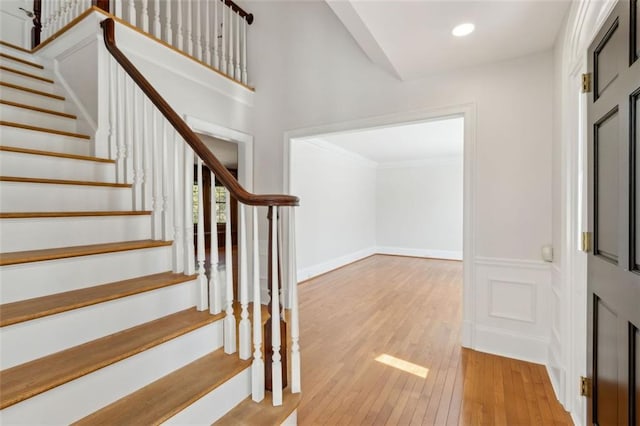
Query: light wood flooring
x=409 y=309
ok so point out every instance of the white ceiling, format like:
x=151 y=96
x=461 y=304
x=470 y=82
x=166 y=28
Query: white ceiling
x=412 y=39
x=406 y=143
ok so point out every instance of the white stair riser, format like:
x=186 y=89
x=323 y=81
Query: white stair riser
x=37 y=338
x=29 y=82
x=216 y=403
x=93 y=391
x=29 y=280
x=10 y=63
x=43 y=141
x=23 y=115
x=19 y=164
x=43 y=233
x=22 y=97
x=37 y=197
x=22 y=55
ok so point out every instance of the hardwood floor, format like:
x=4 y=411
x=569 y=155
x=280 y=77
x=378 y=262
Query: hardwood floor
x=410 y=310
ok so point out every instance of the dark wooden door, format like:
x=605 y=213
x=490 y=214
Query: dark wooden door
x=613 y=354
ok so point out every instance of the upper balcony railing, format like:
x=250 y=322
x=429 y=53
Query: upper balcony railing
x=213 y=32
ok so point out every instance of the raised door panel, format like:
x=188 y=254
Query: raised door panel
x=606 y=365
x=605 y=65
x=606 y=156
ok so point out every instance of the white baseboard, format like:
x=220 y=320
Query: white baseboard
x=502 y=342
x=431 y=253
x=329 y=265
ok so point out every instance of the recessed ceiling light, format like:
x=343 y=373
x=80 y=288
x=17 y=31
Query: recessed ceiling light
x=463 y=30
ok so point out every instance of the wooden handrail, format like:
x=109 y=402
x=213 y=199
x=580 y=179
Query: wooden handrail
x=210 y=160
x=240 y=11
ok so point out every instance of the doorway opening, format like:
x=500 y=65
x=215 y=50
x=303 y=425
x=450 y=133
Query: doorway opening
x=399 y=224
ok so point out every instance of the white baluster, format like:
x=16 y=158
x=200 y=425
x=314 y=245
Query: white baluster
x=113 y=118
x=276 y=368
x=198 y=36
x=179 y=29
x=245 y=77
x=138 y=148
x=156 y=179
x=64 y=15
x=144 y=15
x=215 y=299
x=231 y=46
x=293 y=294
x=237 y=73
x=167 y=22
x=189 y=260
x=147 y=164
x=189 y=28
x=117 y=7
x=245 y=325
x=178 y=211
x=229 y=319
x=120 y=126
x=56 y=16
x=224 y=60
x=157 y=29
x=45 y=11
x=207 y=32
x=202 y=278
x=257 y=367
x=216 y=25
x=129 y=87
x=132 y=12
x=167 y=211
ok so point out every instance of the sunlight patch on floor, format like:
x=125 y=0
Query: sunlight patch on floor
x=403 y=365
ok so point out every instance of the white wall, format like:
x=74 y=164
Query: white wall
x=335 y=223
x=321 y=77
x=419 y=209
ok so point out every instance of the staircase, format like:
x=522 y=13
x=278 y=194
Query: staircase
x=95 y=327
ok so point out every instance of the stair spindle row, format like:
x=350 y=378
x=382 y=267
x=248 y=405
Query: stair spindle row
x=211 y=31
x=168 y=179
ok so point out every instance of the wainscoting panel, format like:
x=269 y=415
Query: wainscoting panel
x=512 y=308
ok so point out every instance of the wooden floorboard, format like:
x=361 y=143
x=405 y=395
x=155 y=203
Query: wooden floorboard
x=410 y=309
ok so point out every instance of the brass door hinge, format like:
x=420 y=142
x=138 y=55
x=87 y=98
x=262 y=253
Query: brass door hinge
x=586 y=242
x=586 y=83
x=585 y=386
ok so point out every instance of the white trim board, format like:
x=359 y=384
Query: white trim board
x=426 y=253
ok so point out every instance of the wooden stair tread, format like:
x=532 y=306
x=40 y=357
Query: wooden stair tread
x=38 y=109
x=26 y=74
x=44 y=130
x=249 y=413
x=16 y=257
x=34 y=91
x=62 y=182
x=13 y=46
x=22 y=61
x=29 y=215
x=32 y=378
x=25 y=310
x=55 y=154
x=167 y=396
